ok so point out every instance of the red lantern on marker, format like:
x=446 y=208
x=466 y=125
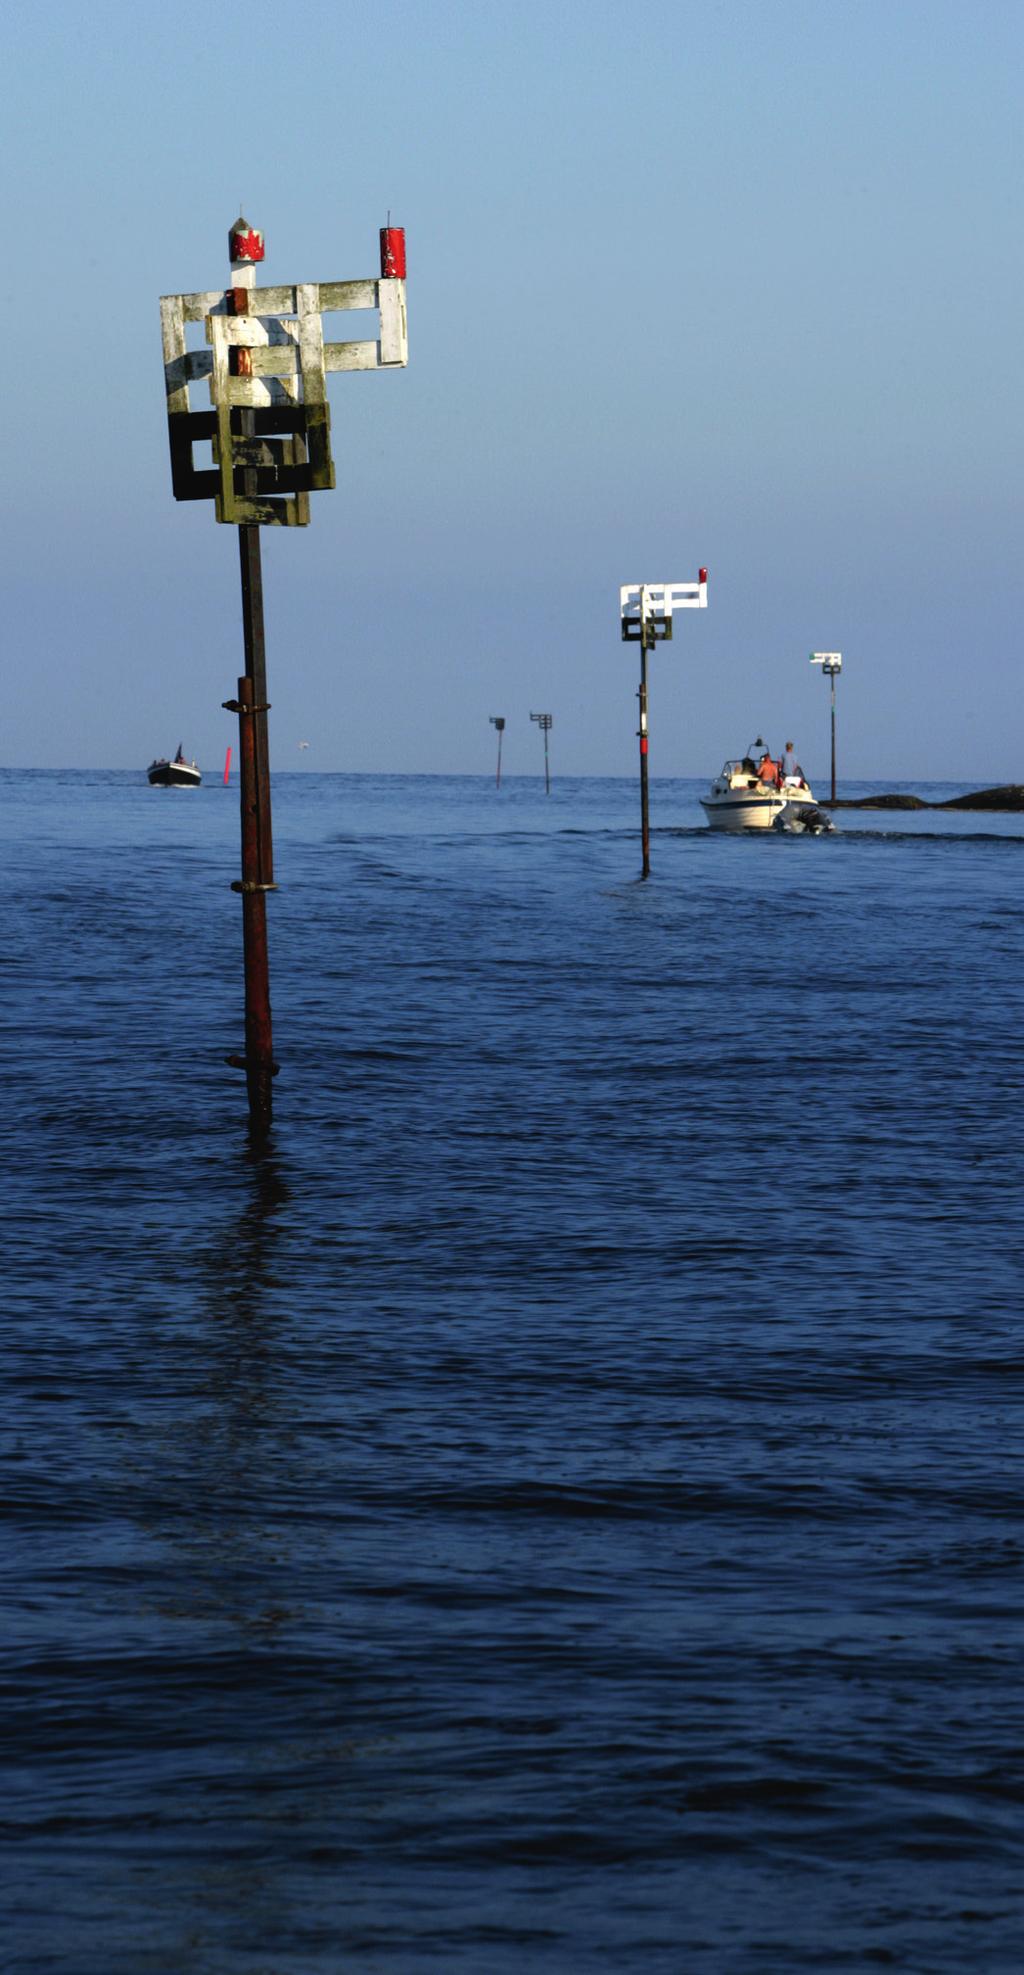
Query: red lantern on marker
x=392 y=253
x=245 y=242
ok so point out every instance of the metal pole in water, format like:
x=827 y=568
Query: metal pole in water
x=259 y=1048
x=497 y=720
x=254 y=756
x=645 y=812
x=833 y=739
x=544 y=721
x=831 y=663
x=645 y=614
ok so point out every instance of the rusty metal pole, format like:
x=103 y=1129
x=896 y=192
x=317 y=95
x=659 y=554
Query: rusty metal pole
x=257 y=839
x=259 y=1048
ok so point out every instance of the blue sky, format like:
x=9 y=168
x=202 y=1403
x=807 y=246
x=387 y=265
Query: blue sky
x=737 y=284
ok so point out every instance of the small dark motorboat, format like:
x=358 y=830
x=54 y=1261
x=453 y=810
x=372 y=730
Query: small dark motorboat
x=176 y=774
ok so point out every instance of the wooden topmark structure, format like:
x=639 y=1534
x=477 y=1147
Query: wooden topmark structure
x=265 y=364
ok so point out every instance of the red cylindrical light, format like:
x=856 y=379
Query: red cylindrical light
x=245 y=242
x=703 y=576
x=392 y=253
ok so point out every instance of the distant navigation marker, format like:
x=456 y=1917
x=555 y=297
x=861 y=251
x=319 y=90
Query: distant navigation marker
x=498 y=721
x=831 y=663
x=645 y=610
x=544 y=722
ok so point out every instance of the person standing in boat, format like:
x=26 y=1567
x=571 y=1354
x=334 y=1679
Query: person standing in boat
x=768 y=770
x=790 y=766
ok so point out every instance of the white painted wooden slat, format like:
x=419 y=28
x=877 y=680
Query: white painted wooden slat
x=311 y=344
x=250 y=391
x=195 y=307
x=220 y=383
x=275 y=360
x=393 y=340
x=284 y=339
x=351 y=356
x=662 y=598
x=348 y=294
x=172 y=326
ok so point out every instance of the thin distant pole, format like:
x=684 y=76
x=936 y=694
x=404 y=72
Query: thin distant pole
x=498 y=721
x=645 y=807
x=645 y=615
x=227 y=767
x=544 y=722
x=831 y=663
x=833 y=681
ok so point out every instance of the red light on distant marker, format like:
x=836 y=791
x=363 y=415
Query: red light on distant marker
x=703 y=576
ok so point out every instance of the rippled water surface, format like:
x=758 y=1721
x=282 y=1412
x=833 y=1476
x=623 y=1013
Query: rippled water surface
x=558 y=1506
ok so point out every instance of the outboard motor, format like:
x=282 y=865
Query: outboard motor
x=803 y=819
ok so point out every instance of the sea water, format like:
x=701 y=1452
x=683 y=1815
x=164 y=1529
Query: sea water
x=556 y=1506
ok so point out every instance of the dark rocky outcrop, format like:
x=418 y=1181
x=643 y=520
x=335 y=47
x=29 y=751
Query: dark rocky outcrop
x=880 y=802
x=1010 y=797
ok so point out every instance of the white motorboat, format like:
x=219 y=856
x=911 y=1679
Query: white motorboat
x=176 y=774
x=750 y=794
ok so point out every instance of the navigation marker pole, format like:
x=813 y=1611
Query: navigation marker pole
x=645 y=610
x=498 y=720
x=831 y=663
x=544 y=722
x=265 y=365
x=252 y=706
